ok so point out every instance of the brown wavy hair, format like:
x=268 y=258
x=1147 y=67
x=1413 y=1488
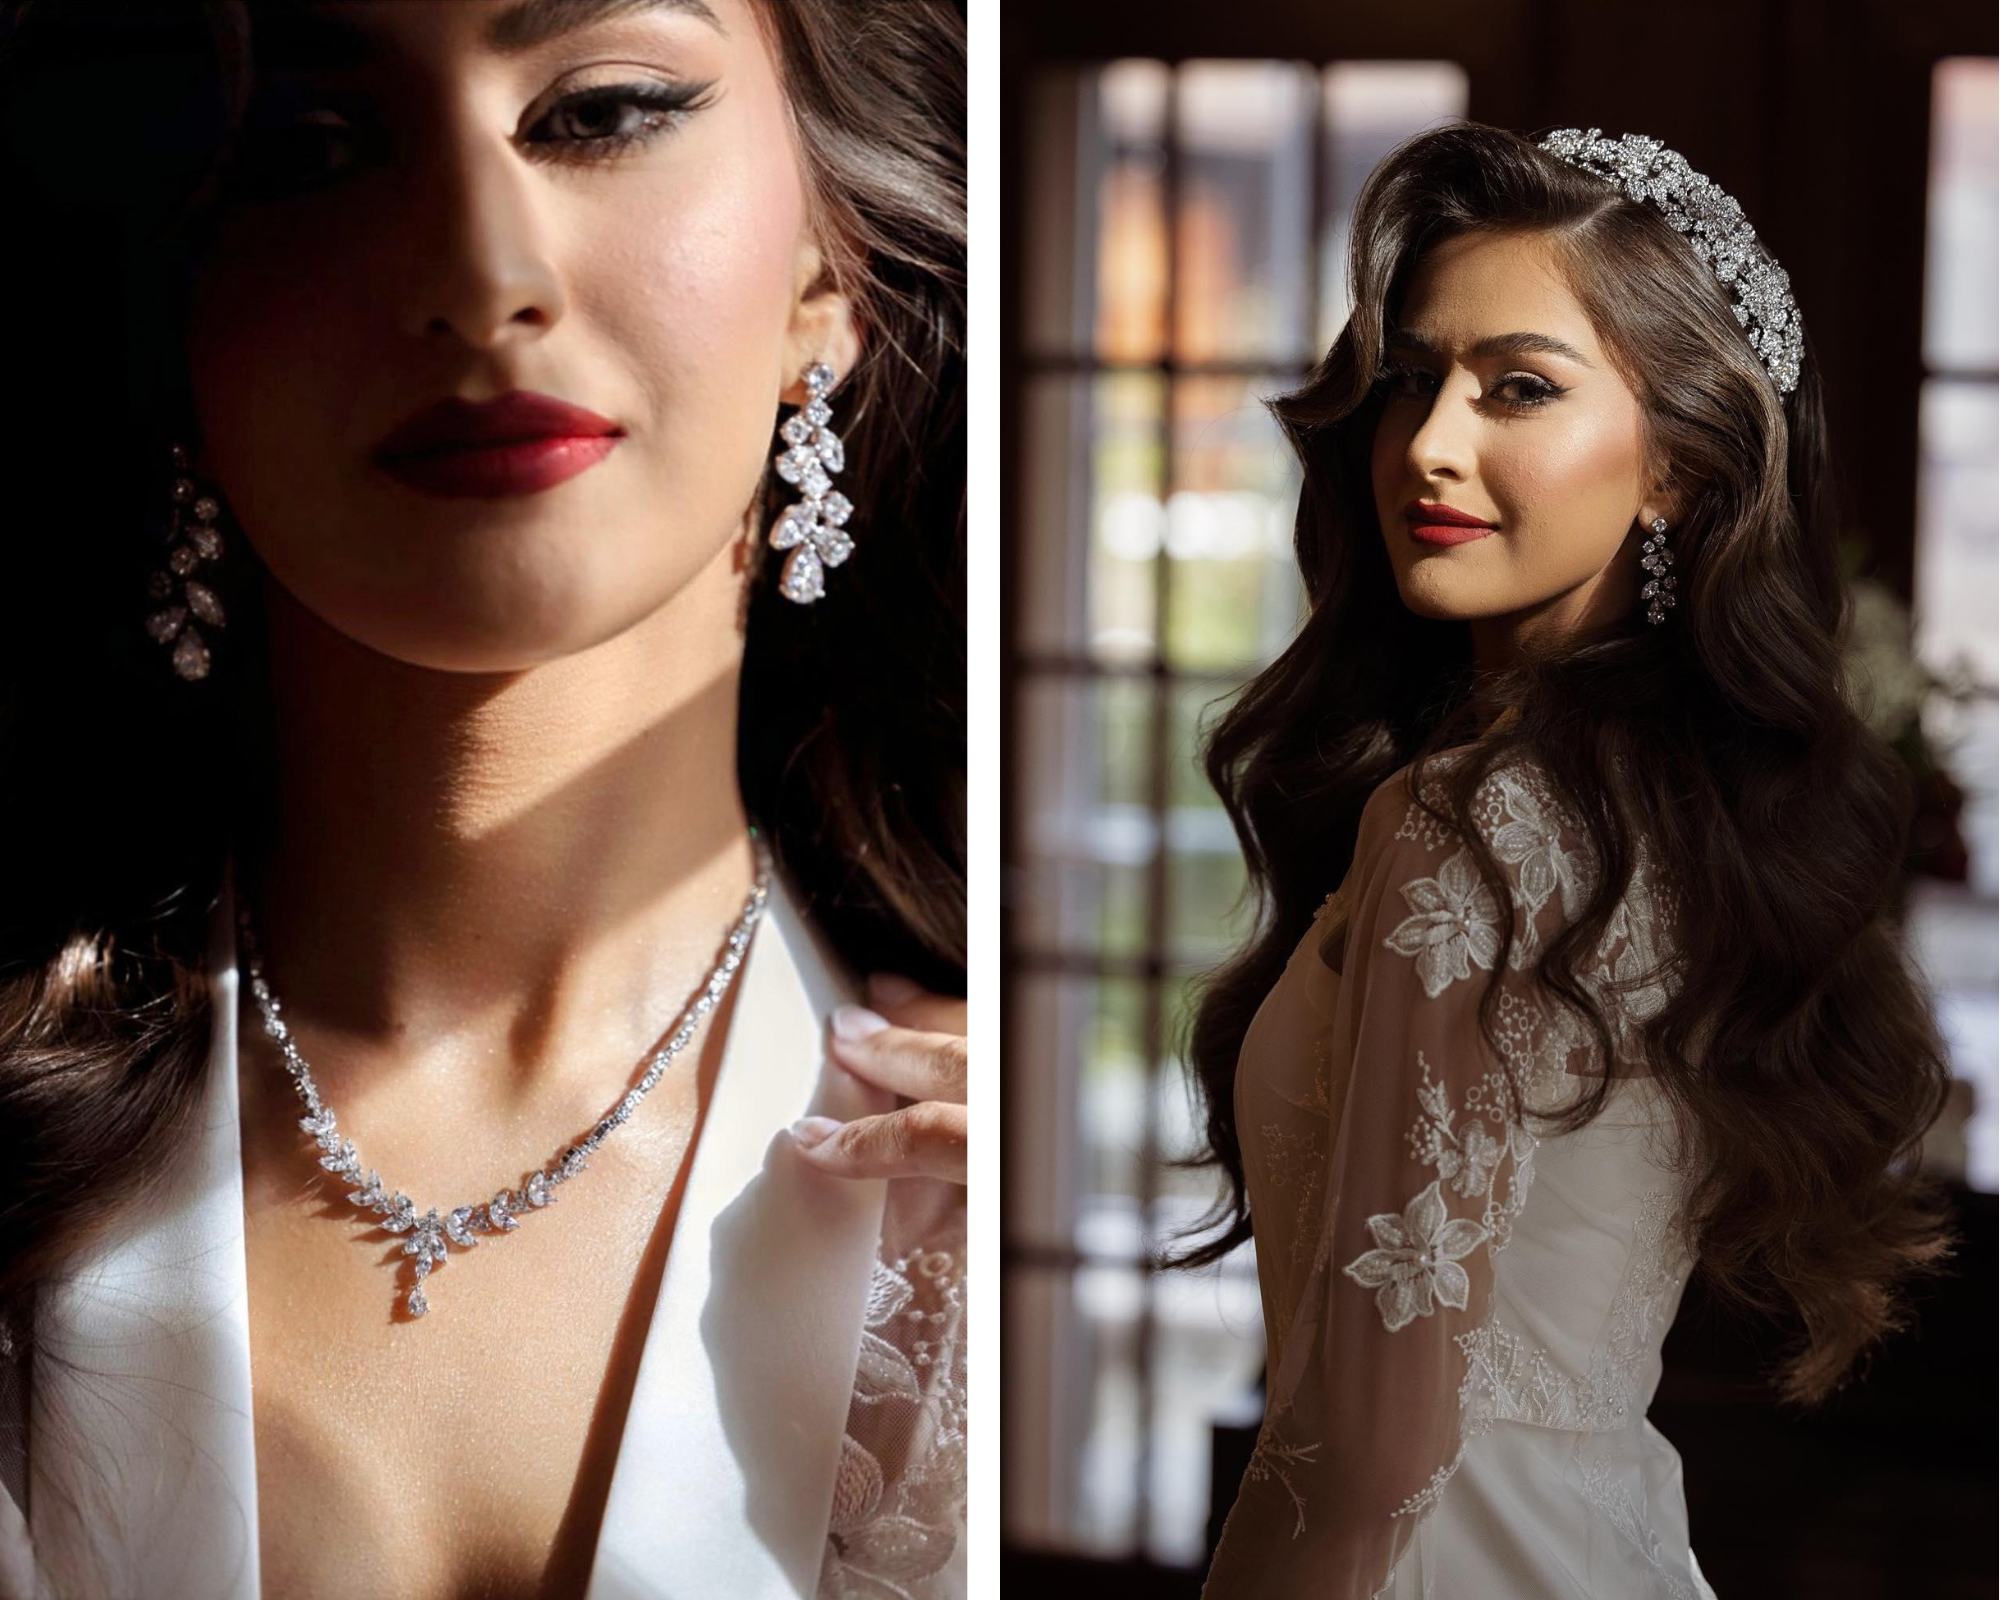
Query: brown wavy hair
x=1799 y=1051
x=118 y=119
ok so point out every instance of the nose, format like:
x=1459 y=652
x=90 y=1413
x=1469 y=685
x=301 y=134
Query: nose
x=479 y=266
x=1443 y=445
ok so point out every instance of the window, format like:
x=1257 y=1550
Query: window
x=1186 y=230
x=1957 y=572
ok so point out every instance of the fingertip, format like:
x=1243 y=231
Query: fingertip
x=808 y=1133
x=855 y=1023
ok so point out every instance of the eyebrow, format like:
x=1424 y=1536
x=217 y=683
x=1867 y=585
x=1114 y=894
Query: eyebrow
x=1499 y=344
x=316 y=37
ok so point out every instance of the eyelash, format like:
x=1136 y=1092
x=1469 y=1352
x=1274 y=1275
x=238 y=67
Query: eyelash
x=1540 y=390
x=665 y=106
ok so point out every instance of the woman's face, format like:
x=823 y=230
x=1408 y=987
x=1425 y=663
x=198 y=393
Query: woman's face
x=1503 y=405
x=614 y=216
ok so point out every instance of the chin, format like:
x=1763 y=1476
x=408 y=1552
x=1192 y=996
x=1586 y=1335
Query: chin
x=1443 y=597
x=481 y=630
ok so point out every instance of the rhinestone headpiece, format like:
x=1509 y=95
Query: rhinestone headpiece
x=1716 y=229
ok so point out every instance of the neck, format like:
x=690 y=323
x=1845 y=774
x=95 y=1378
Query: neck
x=515 y=870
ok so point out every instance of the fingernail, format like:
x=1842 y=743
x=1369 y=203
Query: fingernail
x=889 y=989
x=810 y=1131
x=856 y=1022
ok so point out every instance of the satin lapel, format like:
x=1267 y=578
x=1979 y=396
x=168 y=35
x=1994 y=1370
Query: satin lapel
x=725 y=1474
x=142 y=1464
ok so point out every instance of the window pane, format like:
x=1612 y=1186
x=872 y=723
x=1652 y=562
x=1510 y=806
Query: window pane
x=1087 y=832
x=1132 y=212
x=1074 y=1421
x=1234 y=596
x=1244 y=211
x=1958 y=526
x=1091 y=515
x=1961 y=282
x=1207 y=912
x=1073 y=1413
x=1207 y=1352
x=1371 y=107
x=1096 y=227
x=1111 y=1112
x=1055 y=301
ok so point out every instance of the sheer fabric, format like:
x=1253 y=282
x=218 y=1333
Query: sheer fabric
x=1463 y=1314
x=898 y=1526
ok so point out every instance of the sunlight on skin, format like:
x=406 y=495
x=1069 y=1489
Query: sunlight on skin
x=507 y=727
x=1549 y=446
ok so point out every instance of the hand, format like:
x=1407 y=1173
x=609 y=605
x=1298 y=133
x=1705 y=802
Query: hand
x=914 y=1044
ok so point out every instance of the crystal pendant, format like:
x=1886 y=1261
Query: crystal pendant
x=191 y=658
x=202 y=601
x=804 y=579
x=793 y=527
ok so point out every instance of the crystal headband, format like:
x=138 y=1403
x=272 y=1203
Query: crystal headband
x=1716 y=229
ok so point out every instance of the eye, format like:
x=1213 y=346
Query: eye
x=286 y=142
x=1531 y=390
x=293 y=141
x=620 y=116
x=1405 y=380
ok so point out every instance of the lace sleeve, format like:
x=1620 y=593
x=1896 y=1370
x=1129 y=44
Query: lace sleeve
x=898 y=1525
x=1430 y=1164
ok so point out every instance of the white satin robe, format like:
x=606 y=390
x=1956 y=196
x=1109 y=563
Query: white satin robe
x=1463 y=1307
x=796 y=1426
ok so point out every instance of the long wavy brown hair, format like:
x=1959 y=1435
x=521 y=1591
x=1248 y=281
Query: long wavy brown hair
x=119 y=120
x=1799 y=1051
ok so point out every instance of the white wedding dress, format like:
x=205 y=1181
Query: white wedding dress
x=1463 y=1309
x=797 y=1423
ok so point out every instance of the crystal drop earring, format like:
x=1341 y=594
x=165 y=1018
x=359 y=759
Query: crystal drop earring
x=184 y=601
x=1656 y=558
x=812 y=528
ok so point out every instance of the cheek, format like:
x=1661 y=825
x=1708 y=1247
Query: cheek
x=1388 y=453
x=695 y=291
x=1568 y=493
x=676 y=295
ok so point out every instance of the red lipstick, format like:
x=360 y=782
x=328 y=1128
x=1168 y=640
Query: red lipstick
x=521 y=443
x=1435 y=523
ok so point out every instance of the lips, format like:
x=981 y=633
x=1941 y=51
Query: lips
x=520 y=443
x=1436 y=523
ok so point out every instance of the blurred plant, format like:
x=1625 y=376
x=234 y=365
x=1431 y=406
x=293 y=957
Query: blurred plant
x=1901 y=698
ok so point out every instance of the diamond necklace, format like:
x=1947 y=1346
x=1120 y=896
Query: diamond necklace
x=430 y=1233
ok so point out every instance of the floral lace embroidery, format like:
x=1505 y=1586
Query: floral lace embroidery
x=1416 y=1258
x=1453 y=923
x=1467 y=1155
x=1511 y=1379
x=1430 y=1493
x=1297 y=1162
x=1273 y=1461
x=1618 y=1507
x=889 y=1537
x=1425 y=829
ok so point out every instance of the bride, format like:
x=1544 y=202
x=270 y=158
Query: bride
x=1604 y=989
x=442 y=1148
